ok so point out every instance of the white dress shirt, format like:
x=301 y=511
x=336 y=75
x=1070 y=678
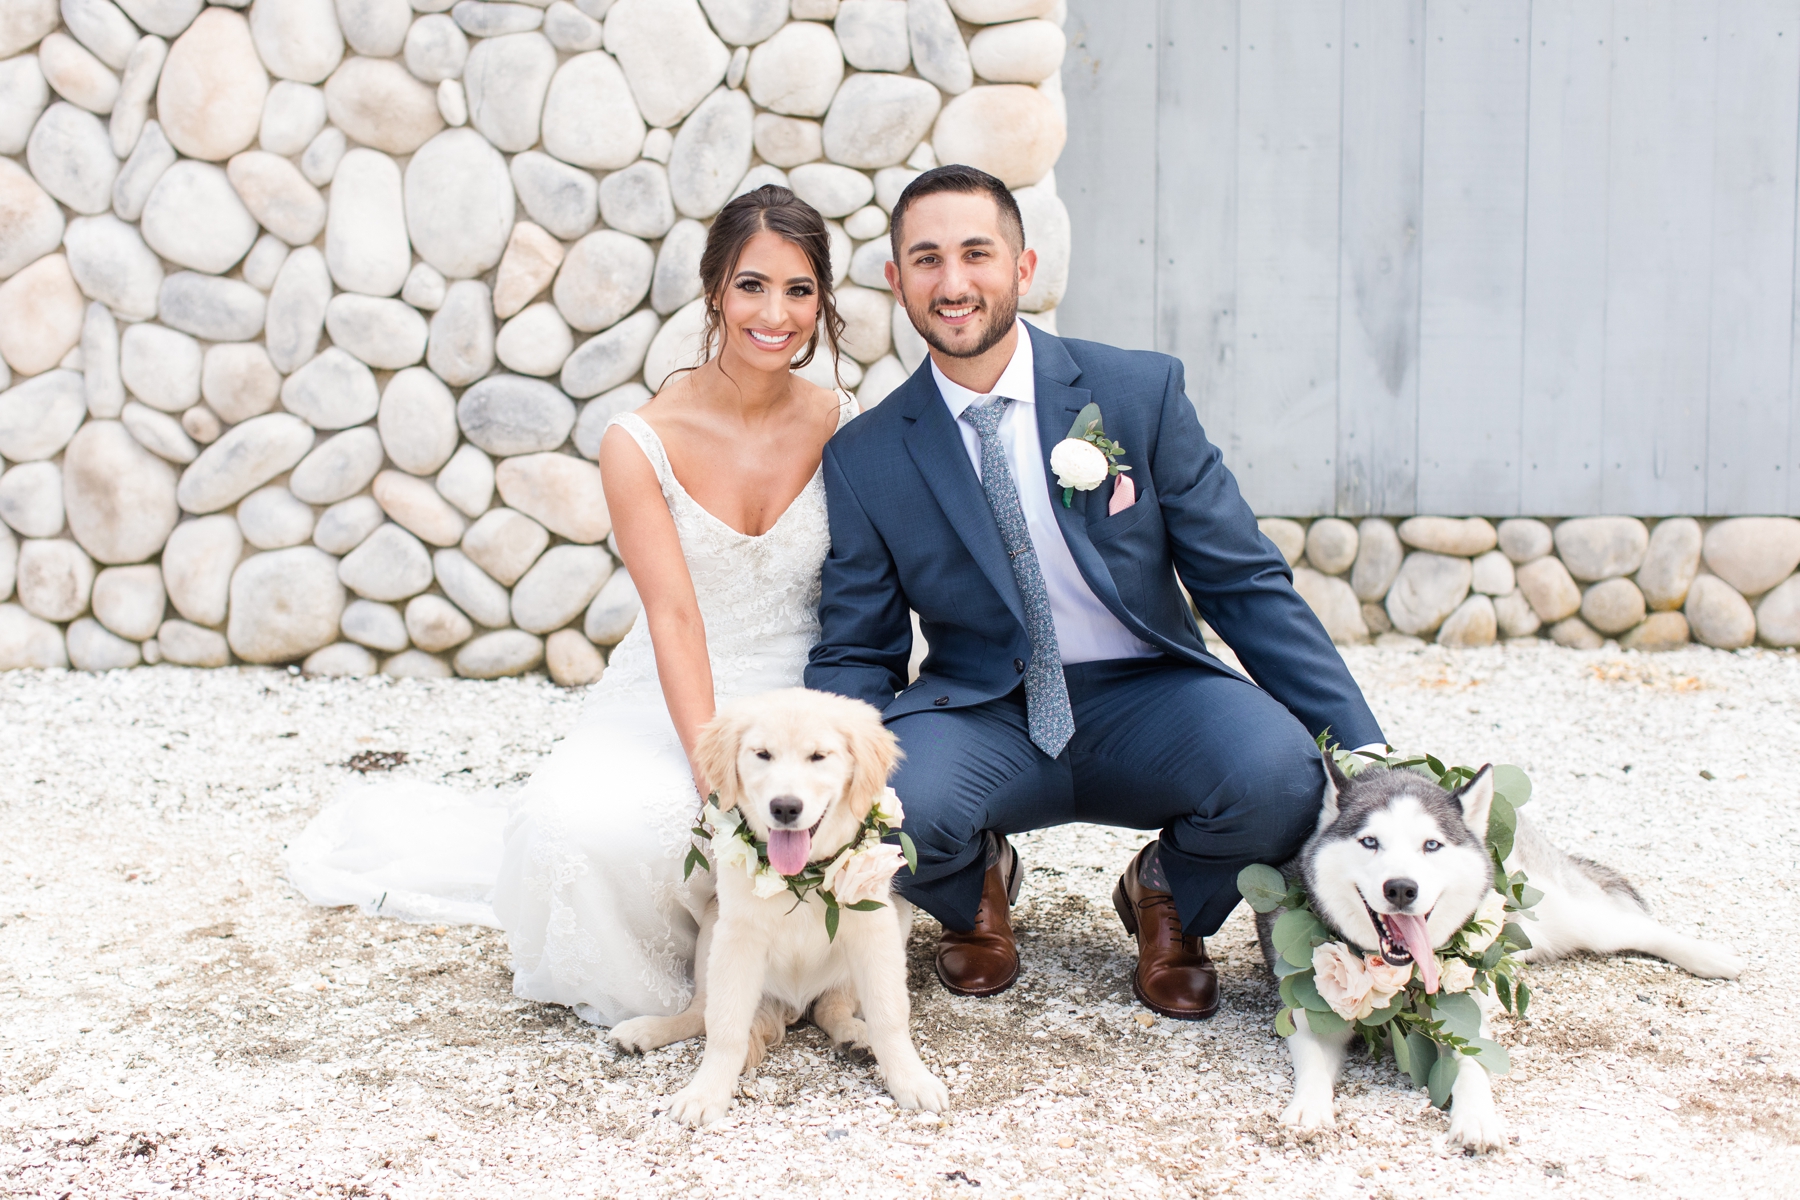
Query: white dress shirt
x=1086 y=630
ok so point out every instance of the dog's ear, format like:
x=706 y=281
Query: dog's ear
x=1335 y=782
x=874 y=753
x=1477 y=800
x=716 y=754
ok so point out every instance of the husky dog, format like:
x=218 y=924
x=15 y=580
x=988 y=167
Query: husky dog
x=1398 y=865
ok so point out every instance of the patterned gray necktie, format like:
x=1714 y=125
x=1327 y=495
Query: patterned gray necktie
x=1047 y=712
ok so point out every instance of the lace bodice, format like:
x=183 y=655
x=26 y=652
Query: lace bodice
x=759 y=595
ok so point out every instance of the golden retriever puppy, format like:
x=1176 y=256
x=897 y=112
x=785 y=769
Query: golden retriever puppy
x=803 y=771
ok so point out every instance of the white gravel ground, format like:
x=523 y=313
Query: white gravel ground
x=173 y=1019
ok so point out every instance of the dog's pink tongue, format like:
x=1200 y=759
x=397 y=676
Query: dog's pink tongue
x=1411 y=929
x=788 y=849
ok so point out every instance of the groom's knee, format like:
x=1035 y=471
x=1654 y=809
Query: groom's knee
x=1268 y=800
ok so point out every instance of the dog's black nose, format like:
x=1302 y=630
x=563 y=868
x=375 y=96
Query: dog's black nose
x=1400 y=892
x=785 y=810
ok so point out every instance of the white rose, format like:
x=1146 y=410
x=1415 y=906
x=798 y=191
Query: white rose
x=769 y=882
x=729 y=850
x=1386 y=979
x=1455 y=975
x=888 y=809
x=1491 y=916
x=1078 y=465
x=863 y=875
x=1343 y=981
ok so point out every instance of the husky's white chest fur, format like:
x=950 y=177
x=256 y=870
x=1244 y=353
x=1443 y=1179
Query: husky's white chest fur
x=1398 y=866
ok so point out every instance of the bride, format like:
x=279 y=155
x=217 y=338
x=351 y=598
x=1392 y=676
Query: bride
x=719 y=513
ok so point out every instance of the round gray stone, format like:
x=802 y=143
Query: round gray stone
x=1596 y=548
x=467 y=481
x=246 y=457
x=939 y=53
x=1515 y=615
x=1718 y=615
x=217 y=310
x=341 y=660
x=1671 y=561
x=573 y=661
x=868 y=266
x=590 y=426
x=637 y=200
x=424 y=288
x=677 y=277
x=1289 y=537
x=797 y=71
x=194 y=217
x=560 y=492
x=1464 y=537
x=488 y=18
x=71 y=157
x=505 y=543
x=278 y=196
x=296 y=312
x=1331 y=545
x=187 y=645
x=92 y=647
x=273 y=518
x=416 y=664
x=604 y=276
x=39 y=415
x=471 y=589
x=159 y=433
x=417 y=421
x=31 y=226
x=747 y=22
x=119 y=499
x=589 y=117
x=110 y=262
x=291 y=118
x=29 y=643
x=31 y=499
x=559 y=586
x=375 y=625
x=1049 y=233
x=435 y=625
x=55 y=578
x=1752 y=554
x=100 y=363
x=366 y=244
x=571 y=30
x=1494 y=575
x=1523 y=539
x=499 y=655
x=877 y=120
x=338 y=468
x=160 y=366
x=333 y=391
x=284 y=605
x=1334 y=604
x=378 y=103
x=297 y=39
x=1428 y=589
x=1474 y=623
x=383 y=333
x=559 y=197
x=461 y=346
x=417 y=506
x=506 y=79
x=1778 y=615
x=197 y=564
x=711 y=153
x=1613 y=606
x=1547 y=585
x=390 y=564
x=459 y=203
x=834 y=190
x=669 y=53
x=344 y=525
x=375 y=27
x=509 y=414
x=23 y=97
x=614 y=611
x=873 y=34
x=536 y=342
x=436 y=48
x=238 y=381
x=786 y=141
x=130 y=600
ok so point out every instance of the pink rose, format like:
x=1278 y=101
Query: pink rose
x=863 y=874
x=1342 y=980
x=1386 y=979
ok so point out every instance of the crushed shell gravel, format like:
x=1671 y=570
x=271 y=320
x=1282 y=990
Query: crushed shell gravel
x=173 y=1019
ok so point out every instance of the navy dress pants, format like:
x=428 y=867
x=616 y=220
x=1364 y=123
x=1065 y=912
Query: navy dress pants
x=1227 y=775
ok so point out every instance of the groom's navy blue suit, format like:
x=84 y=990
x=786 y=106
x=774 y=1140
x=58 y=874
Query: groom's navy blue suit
x=1228 y=771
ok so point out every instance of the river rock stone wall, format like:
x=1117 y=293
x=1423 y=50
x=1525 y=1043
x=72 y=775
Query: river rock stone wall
x=312 y=312
x=1652 y=585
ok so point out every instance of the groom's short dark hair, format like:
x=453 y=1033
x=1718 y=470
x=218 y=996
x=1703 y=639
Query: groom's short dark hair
x=958 y=177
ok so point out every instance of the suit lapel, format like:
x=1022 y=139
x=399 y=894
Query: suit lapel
x=936 y=447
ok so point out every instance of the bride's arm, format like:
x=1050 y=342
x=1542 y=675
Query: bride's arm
x=652 y=551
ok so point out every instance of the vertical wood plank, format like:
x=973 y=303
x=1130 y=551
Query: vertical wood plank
x=1196 y=201
x=1659 y=256
x=1564 y=393
x=1107 y=174
x=1378 y=298
x=1752 y=257
x=1472 y=287
x=1284 y=444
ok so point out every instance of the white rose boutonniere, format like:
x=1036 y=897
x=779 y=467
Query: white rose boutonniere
x=1083 y=460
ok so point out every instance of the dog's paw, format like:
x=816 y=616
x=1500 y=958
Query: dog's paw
x=851 y=1039
x=1476 y=1127
x=1308 y=1114
x=638 y=1034
x=919 y=1089
x=1710 y=960
x=698 y=1106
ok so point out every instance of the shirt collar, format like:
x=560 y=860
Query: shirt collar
x=1017 y=383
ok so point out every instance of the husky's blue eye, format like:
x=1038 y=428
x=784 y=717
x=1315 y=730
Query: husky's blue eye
x=1432 y=844
x=1370 y=843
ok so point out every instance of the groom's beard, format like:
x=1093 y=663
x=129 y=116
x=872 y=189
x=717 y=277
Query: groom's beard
x=999 y=324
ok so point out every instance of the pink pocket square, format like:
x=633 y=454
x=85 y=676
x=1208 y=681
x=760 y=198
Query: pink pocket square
x=1124 y=495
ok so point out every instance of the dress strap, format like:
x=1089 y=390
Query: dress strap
x=847 y=408
x=651 y=445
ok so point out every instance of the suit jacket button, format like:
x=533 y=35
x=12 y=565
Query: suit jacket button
x=1019 y=665
x=941 y=702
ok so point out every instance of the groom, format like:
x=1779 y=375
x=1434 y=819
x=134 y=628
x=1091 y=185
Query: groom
x=1067 y=679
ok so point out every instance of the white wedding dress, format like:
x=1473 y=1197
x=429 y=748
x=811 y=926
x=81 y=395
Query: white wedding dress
x=584 y=870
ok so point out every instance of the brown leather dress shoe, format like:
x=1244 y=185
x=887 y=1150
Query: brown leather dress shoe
x=984 y=961
x=1173 y=977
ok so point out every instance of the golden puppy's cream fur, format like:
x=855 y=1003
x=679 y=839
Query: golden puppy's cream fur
x=807 y=766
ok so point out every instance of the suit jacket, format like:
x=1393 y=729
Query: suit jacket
x=911 y=528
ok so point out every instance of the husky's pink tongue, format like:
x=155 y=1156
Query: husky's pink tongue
x=788 y=849
x=1411 y=931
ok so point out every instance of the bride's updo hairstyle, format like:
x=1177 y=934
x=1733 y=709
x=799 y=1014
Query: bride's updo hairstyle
x=775 y=210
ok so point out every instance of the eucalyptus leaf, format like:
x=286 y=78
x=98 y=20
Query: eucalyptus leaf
x=1287 y=993
x=1263 y=886
x=1522 y=999
x=1284 y=968
x=1284 y=1023
x=1293 y=934
x=1503 y=823
x=1460 y=1014
x=831 y=922
x=1492 y=1056
x=1495 y=952
x=865 y=906
x=1514 y=784
x=1503 y=989
x=1529 y=897
x=1306 y=990
x=694 y=859
x=911 y=853
x=1516 y=935
x=1422 y=1052
x=1442 y=1078
x=1087 y=419
x=1326 y=1022
x=1402 y=1051
x=1382 y=1016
